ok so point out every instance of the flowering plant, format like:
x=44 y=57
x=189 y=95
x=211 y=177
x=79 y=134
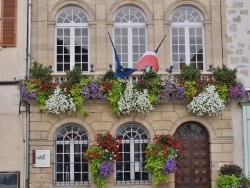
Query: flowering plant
x=102 y=156
x=171 y=89
x=162 y=156
x=60 y=101
x=125 y=97
x=134 y=100
x=208 y=101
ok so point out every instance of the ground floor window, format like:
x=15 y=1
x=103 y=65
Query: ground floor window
x=70 y=167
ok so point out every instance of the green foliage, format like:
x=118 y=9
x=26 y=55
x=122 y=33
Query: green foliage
x=149 y=75
x=222 y=90
x=114 y=94
x=41 y=98
x=94 y=155
x=190 y=73
x=38 y=72
x=31 y=86
x=225 y=75
x=109 y=75
x=245 y=182
x=76 y=92
x=150 y=81
x=227 y=181
x=231 y=169
x=190 y=90
x=74 y=76
x=155 y=160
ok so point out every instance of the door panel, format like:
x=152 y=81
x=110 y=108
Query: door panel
x=194 y=165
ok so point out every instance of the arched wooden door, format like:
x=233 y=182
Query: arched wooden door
x=194 y=165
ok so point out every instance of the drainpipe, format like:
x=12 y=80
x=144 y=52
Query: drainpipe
x=28 y=45
x=27 y=139
x=26 y=104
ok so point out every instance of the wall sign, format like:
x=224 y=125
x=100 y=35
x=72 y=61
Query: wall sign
x=41 y=158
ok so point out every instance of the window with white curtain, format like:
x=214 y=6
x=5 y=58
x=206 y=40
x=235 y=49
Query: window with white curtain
x=72 y=39
x=130 y=35
x=70 y=168
x=130 y=169
x=187 y=38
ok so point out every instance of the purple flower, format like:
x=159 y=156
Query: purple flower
x=170 y=166
x=171 y=90
x=106 y=169
x=93 y=91
x=237 y=91
x=26 y=94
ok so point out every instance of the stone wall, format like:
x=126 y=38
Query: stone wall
x=238 y=37
x=165 y=118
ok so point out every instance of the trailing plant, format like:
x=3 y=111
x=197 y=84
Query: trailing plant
x=39 y=72
x=208 y=102
x=114 y=95
x=77 y=92
x=102 y=156
x=225 y=75
x=171 y=89
x=190 y=73
x=237 y=91
x=161 y=157
x=59 y=102
x=134 y=100
x=190 y=90
x=222 y=90
x=150 y=81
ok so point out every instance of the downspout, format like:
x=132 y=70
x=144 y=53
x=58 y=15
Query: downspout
x=27 y=139
x=28 y=45
x=26 y=104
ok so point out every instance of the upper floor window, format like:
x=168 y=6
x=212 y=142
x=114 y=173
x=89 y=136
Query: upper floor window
x=134 y=142
x=130 y=35
x=72 y=39
x=8 y=23
x=187 y=38
x=70 y=168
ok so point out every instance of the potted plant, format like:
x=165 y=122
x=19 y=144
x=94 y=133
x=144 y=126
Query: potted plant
x=162 y=156
x=102 y=157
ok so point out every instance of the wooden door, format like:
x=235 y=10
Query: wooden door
x=194 y=166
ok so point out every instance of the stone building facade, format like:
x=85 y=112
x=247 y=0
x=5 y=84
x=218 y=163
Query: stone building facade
x=218 y=139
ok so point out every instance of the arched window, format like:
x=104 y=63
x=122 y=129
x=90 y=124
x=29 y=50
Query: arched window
x=130 y=35
x=187 y=38
x=134 y=142
x=71 y=142
x=72 y=39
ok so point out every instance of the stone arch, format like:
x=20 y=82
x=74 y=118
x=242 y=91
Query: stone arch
x=202 y=121
x=61 y=4
x=140 y=4
x=148 y=127
x=60 y=123
x=197 y=4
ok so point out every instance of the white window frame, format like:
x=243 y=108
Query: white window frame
x=135 y=166
x=72 y=26
x=187 y=25
x=69 y=180
x=130 y=26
